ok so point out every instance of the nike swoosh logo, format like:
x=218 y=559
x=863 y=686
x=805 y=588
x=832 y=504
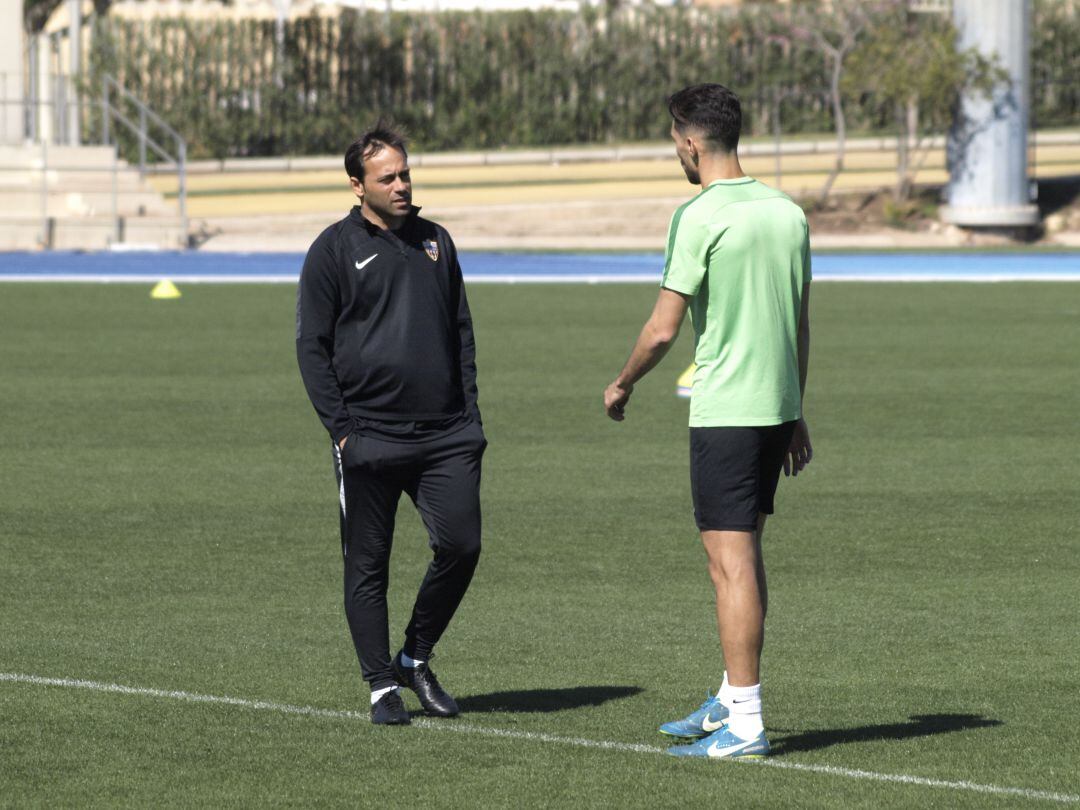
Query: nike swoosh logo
x=710 y=726
x=716 y=751
x=365 y=262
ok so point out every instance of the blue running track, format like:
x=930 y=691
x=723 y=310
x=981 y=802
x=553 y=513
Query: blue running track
x=593 y=268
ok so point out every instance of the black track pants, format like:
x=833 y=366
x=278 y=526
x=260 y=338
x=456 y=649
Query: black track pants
x=442 y=476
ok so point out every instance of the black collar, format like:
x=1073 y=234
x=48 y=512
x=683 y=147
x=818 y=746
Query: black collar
x=358 y=217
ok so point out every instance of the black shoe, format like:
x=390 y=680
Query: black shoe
x=389 y=710
x=423 y=681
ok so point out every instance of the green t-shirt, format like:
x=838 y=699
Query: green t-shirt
x=741 y=250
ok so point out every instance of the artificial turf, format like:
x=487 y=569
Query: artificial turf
x=168 y=521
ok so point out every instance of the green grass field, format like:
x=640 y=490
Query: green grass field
x=168 y=521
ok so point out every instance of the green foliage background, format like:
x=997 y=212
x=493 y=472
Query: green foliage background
x=488 y=80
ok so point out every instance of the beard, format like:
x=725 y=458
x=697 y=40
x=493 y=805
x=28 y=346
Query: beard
x=387 y=207
x=691 y=172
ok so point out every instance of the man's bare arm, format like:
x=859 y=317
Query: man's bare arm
x=800 y=452
x=652 y=344
x=803 y=340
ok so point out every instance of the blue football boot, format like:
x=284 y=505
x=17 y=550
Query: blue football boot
x=723 y=744
x=710 y=717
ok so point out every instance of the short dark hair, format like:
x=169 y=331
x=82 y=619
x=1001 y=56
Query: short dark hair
x=384 y=133
x=713 y=109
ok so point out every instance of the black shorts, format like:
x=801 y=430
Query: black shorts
x=733 y=474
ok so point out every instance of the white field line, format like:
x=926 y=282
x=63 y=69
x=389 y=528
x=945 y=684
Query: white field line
x=552 y=278
x=531 y=736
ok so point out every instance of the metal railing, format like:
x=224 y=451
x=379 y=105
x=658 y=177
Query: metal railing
x=141 y=128
x=50 y=111
x=41 y=108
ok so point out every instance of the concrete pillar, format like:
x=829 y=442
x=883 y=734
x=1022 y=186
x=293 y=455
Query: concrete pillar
x=988 y=185
x=12 y=111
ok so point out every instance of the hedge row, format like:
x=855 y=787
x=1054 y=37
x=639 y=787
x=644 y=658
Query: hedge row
x=483 y=80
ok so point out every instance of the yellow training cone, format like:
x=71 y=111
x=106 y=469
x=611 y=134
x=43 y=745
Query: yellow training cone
x=165 y=289
x=686 y=382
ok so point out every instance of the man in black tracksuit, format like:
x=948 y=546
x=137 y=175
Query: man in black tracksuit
x=385 y=344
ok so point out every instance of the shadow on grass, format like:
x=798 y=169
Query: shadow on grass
x=546 y=700
x=920 y=725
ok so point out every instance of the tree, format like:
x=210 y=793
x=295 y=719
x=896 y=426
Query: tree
x=911 y=65
x=37 y=12
x=835 y=33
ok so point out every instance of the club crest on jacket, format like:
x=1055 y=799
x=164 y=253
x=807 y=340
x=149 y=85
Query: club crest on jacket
x=431 y=248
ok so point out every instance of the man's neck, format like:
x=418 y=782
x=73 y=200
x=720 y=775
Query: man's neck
x=715 y=167
x=384 y=223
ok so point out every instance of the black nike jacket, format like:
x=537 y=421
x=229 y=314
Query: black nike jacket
x=383 y=329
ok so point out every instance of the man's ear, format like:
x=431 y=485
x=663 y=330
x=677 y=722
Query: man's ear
x=357 y=187
x=692 y=148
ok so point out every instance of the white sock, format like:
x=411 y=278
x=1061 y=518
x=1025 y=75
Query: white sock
x=744 y=707
x=723 y=688
x=376 y=694
x=410 y=662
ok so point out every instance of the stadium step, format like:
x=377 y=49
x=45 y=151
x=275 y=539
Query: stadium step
x=80 y=198
x=32 y=156
x=89 y=233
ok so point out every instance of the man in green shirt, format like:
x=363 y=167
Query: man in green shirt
x=738 y=257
